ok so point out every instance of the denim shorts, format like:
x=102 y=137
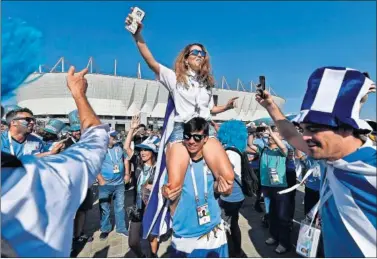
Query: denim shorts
x=177 y=134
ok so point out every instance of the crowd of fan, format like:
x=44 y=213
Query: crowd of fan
x=205 y=170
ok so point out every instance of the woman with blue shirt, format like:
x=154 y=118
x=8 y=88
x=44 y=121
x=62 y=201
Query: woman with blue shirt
x=144 y=173
x=233 y=135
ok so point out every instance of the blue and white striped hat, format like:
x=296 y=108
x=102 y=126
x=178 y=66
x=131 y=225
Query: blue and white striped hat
x=333 y=98
x=151 y=143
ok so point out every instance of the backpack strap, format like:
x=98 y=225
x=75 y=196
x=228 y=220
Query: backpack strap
x=240 y=154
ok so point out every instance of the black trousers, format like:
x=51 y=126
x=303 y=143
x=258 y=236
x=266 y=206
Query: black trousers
x=291 y=180
x=259 y=190
x=280 y=215
x=230 y=214
x=310 y=199
x=134 y=238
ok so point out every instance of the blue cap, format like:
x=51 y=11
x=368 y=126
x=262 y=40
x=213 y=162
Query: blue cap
x=151 y=143
x=54 y=126
x=113 y=133
x=74 y=120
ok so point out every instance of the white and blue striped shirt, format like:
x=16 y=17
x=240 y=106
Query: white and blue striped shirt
x=349 y=215
x=40 y=199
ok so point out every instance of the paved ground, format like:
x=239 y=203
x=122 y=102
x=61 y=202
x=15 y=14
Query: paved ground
x=253 y=234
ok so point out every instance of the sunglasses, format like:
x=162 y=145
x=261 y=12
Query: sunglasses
x=27 y=119
x=196 y=53
x=197 y=137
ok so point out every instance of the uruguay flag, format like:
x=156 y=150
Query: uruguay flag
x=157 y=218
x=349 y=216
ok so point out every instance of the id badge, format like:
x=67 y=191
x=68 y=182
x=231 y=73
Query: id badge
x=308 y=240
x=274 y=177
x=116 y=169
x=203 y=214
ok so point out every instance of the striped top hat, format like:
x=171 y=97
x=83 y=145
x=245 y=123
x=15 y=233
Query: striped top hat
x=54 y=126
x=74 y=120
x=151 y=143
x=333 y=98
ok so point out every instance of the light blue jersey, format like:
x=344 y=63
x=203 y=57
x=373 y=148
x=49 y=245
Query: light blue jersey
x=30 y=146
x=185 y=219
x=114 y=157
x=272 y=158
x=259 y=142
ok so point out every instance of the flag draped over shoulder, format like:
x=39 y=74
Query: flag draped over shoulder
x=157 y=218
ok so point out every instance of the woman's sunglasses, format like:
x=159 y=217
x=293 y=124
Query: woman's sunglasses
x=196 y=53
x=197 y=137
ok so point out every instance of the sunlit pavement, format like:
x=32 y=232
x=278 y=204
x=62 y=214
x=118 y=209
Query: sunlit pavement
x=253 y=234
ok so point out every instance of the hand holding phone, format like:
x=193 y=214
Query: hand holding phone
x=132 y=20
x=261 y=86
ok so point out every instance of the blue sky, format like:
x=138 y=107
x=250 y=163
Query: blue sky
x=285 y=41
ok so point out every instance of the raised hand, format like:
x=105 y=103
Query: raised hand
x=231 y=103
x=135 y=122
x=76 y=82
x=129 y=20
x=266 y=101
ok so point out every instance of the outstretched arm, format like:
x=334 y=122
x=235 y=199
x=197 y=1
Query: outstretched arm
x=223 y=108
x=286 y=128
x=142 y=46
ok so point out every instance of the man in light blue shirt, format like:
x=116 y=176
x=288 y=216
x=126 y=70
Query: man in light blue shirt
x=18 y=140
x=112 y=186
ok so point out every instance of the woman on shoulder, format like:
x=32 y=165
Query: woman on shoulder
x=190 y=86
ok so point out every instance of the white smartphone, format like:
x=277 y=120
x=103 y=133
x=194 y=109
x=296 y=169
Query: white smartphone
x=137 y=15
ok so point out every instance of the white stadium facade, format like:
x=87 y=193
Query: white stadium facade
x=117 y=98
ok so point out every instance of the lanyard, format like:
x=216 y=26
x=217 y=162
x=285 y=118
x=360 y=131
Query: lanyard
x=205 y=169
x=111 y=158
x=11 y=145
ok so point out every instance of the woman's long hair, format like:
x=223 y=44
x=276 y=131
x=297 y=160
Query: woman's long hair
x=154 y=160
x=205 y=73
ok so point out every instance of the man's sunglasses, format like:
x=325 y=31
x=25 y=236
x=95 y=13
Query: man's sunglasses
x=196 y=53
x=27 y=119
x=197 y=137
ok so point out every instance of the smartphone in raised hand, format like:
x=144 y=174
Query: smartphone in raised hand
x=137 y=16
x=261 y=86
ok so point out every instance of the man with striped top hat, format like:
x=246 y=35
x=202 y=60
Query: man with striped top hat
x=332 y=133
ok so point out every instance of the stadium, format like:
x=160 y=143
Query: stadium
x=117 y=98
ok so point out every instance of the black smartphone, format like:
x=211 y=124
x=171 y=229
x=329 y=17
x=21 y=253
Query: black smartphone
x=261 y=86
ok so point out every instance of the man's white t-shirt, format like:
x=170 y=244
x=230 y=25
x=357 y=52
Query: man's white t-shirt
x=187 y=98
